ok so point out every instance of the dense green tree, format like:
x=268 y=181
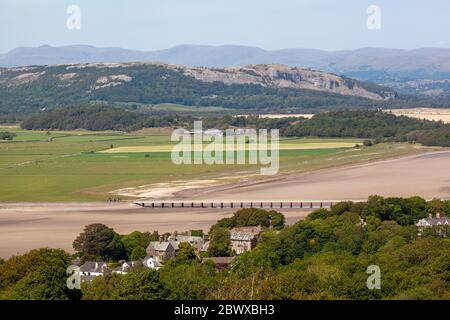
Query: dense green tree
x=266 y=256
x=101 y=288
x=189 y=281
x=137 y=285
x=372 y=223
x=95 y=118
x=98 y=240
x=253 y=217
x=319 y=214
x=436 y=206
x=138 y=253
x=341 y=207
x=220 y=244
x=186 y=252
x=141 y=285
x=46 y=283
x=403 y=211
x=418 y=293
x=138 y=239
x=39 y=274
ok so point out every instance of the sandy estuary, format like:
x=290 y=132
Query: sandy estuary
x=24 y=226
x=426 y=175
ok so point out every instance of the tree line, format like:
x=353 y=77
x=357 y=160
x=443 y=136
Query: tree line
x=95 y=118
x=370 y=124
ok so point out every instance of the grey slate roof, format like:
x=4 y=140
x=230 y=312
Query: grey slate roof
x=175 y=244
x=434 y=221
x=94 y=266
x=87 y=278
x=221 y=260
x=159 y=246
x=163 y=245
x=190 y=239
x=244 y=233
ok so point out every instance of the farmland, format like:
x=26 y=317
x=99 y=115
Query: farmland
x=433 y=114
x=298 y=144
x=55 y=166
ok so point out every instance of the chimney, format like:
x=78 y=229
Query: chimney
x=438 y=215
x=430 y=216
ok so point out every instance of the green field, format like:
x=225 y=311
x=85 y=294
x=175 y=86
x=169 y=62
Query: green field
x=69 y=166
x=172 y=107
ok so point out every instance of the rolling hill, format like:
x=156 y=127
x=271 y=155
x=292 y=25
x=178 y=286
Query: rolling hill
x=258 y=87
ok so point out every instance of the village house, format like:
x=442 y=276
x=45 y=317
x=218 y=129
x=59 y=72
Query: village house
x=91 y=269
x=205 y=246
x=196 y=242
x=244 y=238
x=220 y=262
x=162 y=250
x=431 y=221
x=151 y=263
x=126 y=266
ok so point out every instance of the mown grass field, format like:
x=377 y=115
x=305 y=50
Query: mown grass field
x=70 y=166
x=298 y=144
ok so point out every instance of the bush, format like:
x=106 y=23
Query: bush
x=138 y=253
x=7 y=135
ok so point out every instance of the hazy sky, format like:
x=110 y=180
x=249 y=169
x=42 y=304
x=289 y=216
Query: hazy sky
x=269 y=24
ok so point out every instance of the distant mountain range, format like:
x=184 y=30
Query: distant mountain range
x=426 y=62
x=423 y=71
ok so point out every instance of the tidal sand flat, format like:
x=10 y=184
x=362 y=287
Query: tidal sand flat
x=426 y=175
x=26 y=226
